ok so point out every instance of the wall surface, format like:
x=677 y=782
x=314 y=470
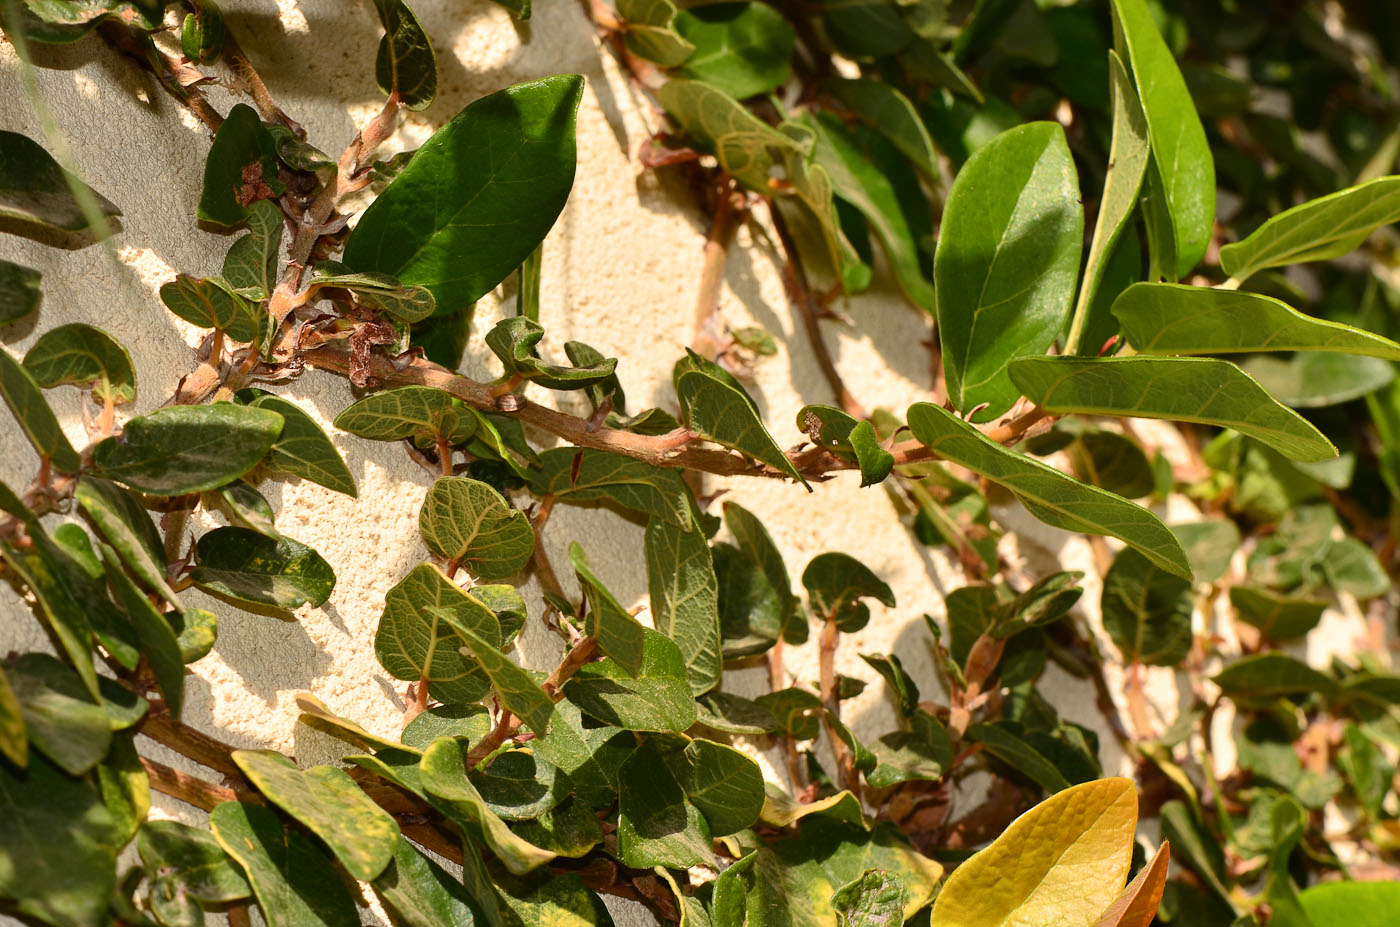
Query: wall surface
x=621 y=271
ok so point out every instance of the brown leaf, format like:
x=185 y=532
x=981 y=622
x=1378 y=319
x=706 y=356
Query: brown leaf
x=1137 y=905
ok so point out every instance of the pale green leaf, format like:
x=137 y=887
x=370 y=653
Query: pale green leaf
x=470 y=524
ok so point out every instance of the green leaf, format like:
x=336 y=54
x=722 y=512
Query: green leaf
x=657 y=699
x=19 y=291
x=1167 y=318
x=722 y=412
x=1271 y=675
x=796 y=711
x=782 y=810
x=1209 y=545
x=202 y=33
x=1182 y=169
x=1350 y=566
x=1189 y=839
x=190 y=866
x=249 y=566
x=744 y=49
x=585 y=475
x=184 y=449
x=211 y=302
x=734 y=714
x=1278 y=617
x=303 y=449
x=1318 y=230
x=1186 y=389
x=1356 y=904
x=405 y=63
x=196 y=630
x=64 y=722
x=518 y=786
x=1049 y=495
x=619 y=635
x=35 y=418
x=657 y=825
x=650 y=31
x=328 y=802
x=753 y=539
x=14 y=739
x=513 y=340
x=1062 y=862
x=34 y=188
x=157 y=638
x=862 y=181
x=745 y=145
x=556 y=899
x=241 y=168
x=291 y=876
x=315 y=714
x=876 y=899
x=251 y=262
x=247 y=507
x=40 y=566
x=836 y=583
x=1146 y=610
x=516 y=688
x=1315 y=380
x=865 y=28
x=588 y=753
x=923 y=753
x=419 y=412
x=1127 y=162
x=750 y=611
x=1007 y=261
x=1006 y=745
x=489 y=184
x=444 y=775
x=127 y=526
x=420 y=893
x=724 y=783
x=889 y=111
x=58 y=848
x=569 y=830
x=469 y=523
x=86 y=357
x=901 y=685
x=381 y=292
x=685 y=598
x=414 y=640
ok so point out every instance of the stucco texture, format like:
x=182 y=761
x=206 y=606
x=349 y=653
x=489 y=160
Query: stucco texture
x=621 y=271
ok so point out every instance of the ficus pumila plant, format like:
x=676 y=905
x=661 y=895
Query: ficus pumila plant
x=1042 y=185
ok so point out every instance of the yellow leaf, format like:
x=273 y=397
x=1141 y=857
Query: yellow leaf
x=1137 y=904
x=1061 y=864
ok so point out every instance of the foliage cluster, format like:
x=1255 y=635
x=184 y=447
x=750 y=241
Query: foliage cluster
x=1069 y=156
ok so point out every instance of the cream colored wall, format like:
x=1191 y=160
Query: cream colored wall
x=621 y=271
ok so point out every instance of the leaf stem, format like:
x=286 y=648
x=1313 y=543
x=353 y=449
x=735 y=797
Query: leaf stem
x=709 y=334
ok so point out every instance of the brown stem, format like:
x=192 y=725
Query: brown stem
x=108 y=420
x=190 y=743
x=707 y=339
x=238 y=915
x=189 y=789
x=777 y=680
x=544 y=570
x=252 y=83
x=831 y=697
x=444 y=455
x=166 y=70
x=506 y=726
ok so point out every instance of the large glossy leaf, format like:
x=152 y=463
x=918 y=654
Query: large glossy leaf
x=251 y=262
x=19 y=291
x=743 y=49
x=414 y=640
x=684 y=595
x=745 y=145
x=253 y=567
x=1318 y=230
x=1184 y=389
x=1146 y=610
x=184 y=449
x=1168 y=318
x=890 y=112
x=292 y=878
x=420 y=893
x=361 y=834
x=86 y=357
x=1127 y=161
x=33 y=188
x=1048 y=494
x=303 y=449
x=35 y=418
x=211 y=302
x=487 y=184
x=657 y=699
x=650 y=31
x=586 y=475
x=1062 y=862
x=58 y=847
x=1182 y=169
x=620 y=635
x=1007 y=261
x=470 y=524
x=408 y=412
x=405 y=63
x=657 y=825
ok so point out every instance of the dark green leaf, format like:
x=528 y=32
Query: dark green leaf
x=725 y=784
x=733 y=714
x=1146 y=610
x=202 y=33
x=1271 y=675
x=570 y=829
x=489 y=184
x=242 y=168
x=292 y=877
x=876 y=899
x=865 y=28
x=184 y=449
x=750 y=610
x=40 y=566
x=753 y=539
x=33 y=188
x=1278 y=617
x=14 y=740
x=86 y=357
x=19 y=291
x=127 y=526
x=902 y=687
x=1006 y=746
x=251 y=262
x=1049 y=495
x=1313 y=380
x=35 y=418
x=303 y=449
x=1007 y=261
x=685 y=598
x=657 y=699
x=190 y=860
x=249 y=566
x=196 y=630
x=836 y=583
x=585 y=475
x=724 y=413
x=247 y=507
x=157 y=638
x=744 y=49
x=420 y=893
x=63 y=721
x=516 y=688
x=619 y=635
x=415 y=642
x=657 y=825
x=405 y=64
x=651 y=33
x=211 y=302
x=513 y=340
x=381 y=292
x=889 y=112
x=745 y=145
x=553 y=898
x=1209 y=545
x=518 y=786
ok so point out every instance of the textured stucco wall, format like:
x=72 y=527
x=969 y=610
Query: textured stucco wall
x=621 y=270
